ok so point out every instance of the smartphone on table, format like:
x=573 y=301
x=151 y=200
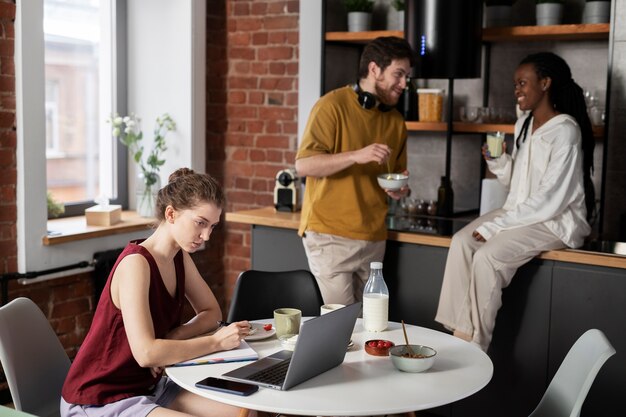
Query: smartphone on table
x=224 y=385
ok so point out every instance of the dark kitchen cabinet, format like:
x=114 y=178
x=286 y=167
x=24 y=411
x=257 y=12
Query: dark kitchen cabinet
x=585 y=297
x=275 y=249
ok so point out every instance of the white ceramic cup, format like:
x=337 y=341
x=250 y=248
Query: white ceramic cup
x=327 y=308
x=494 y=143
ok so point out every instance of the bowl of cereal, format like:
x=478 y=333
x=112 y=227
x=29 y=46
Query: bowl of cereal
x=412 y=358
x=392 y=182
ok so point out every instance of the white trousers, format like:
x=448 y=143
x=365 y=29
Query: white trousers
x=476 y=272
x=341 y=265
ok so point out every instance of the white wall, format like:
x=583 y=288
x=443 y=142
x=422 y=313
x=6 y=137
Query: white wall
x=166 y=69
x=310 y=59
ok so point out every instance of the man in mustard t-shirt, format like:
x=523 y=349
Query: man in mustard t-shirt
x=353 y=134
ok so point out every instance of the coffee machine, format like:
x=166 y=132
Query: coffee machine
x=287 y=191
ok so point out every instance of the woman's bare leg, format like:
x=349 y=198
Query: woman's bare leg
x=189 y=404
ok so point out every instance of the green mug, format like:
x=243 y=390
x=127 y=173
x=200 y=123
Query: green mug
x=287 y=321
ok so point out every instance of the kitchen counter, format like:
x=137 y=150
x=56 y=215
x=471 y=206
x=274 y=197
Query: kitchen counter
x=268 y=216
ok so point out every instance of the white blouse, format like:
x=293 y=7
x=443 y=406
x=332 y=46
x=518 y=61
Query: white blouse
x=545 y=180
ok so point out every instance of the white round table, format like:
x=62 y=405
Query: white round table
x=362 y=384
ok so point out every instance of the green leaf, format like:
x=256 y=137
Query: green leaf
x=359 y=5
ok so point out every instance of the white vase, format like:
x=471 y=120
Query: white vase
x=548 y=14
x=359 y=21
x=145 y=195
x=597 y=12
x=498 y=16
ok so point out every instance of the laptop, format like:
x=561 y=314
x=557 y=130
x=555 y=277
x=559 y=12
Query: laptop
x=321 y=345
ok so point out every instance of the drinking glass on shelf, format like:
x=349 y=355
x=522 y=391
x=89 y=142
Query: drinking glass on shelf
x=591 y=98
x=469 y=114
x=596 y=114
x=485 y=115
x=496 y=114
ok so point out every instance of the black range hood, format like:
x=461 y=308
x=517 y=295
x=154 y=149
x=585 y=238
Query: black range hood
x=447 y=37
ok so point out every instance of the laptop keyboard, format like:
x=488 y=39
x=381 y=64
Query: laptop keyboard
x=274 y=375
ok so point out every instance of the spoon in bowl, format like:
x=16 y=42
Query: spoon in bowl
x=406 y=339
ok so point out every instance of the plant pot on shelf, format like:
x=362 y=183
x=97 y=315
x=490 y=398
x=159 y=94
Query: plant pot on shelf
x=146 y=190
x=395 y=19
x=359 y=21
x=498 y=16
x=548 y=13
x=597 y=12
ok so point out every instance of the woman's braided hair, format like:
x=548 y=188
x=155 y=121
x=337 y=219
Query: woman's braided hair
x=186 y=189
x=567 y=97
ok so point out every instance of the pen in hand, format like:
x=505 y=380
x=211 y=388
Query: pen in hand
x=222 y=323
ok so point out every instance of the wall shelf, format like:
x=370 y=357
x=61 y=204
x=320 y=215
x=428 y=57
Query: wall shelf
x=463 y=127
x=514 y=33
x=458 y=127
x=548 y=33
x=361 y=37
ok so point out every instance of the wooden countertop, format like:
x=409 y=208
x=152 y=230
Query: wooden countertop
x=268 y=216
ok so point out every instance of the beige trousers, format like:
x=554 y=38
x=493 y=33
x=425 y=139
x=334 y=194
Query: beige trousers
x=476 y=272
x=341 y=265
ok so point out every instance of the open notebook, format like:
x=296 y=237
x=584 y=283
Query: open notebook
x=243 y=353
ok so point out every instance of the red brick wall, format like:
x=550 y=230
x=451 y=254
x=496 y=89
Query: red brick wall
x=8 y=167
x=253 y=83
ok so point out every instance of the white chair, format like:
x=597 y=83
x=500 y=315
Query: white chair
x=571 y=383
x=33 y=359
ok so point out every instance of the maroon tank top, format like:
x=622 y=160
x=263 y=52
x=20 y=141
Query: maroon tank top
x=104 y=369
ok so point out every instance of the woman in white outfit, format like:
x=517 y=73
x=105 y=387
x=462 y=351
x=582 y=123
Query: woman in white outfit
x=548 y=175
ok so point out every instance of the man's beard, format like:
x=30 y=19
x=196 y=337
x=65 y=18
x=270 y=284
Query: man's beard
x=385 y=96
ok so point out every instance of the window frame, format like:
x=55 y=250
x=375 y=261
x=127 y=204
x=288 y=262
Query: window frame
x=113 y=164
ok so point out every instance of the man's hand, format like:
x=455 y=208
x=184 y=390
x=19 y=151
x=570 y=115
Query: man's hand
x=376 y=152
x=402 y=192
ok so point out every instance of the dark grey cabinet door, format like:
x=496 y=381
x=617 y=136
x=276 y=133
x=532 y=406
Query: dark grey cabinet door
x=275 y=249
x=585 y=297
x=519 y=349
x=414 y=274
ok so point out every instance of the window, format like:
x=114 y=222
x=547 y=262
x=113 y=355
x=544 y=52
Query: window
x=165 y=66
x=79 y=75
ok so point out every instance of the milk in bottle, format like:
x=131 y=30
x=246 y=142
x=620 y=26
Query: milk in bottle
x=375 y=300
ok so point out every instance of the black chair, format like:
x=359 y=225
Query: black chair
x=258 y=293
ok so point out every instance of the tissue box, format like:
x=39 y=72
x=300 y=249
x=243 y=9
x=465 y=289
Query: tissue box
x=103 y=216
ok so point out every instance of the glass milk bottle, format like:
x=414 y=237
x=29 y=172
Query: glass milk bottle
x=375 y=300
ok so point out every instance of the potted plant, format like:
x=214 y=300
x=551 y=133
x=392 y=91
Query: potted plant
x=55 y=209
x=597 y=11
x=359 y=14
x=498 y=12
x=148 y=180
x=548 y=12
x=395 y=15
